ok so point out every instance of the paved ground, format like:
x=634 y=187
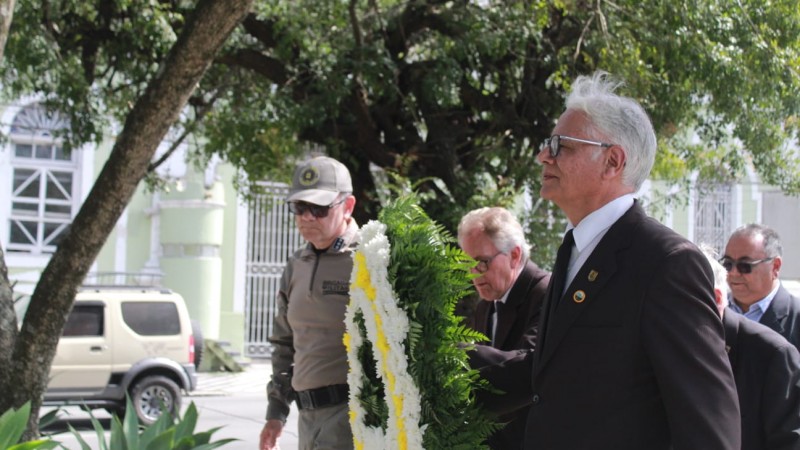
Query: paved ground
x=234 y=401
x=239 y=400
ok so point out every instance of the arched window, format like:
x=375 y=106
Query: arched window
x=44 y=182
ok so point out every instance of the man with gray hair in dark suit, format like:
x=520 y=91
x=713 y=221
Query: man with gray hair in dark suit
x=630 y=352
x=512 y=289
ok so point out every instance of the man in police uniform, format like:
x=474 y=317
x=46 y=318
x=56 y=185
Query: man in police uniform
x=309 y=360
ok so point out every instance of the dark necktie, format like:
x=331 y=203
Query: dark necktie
x=490 y=322
x=561 y=268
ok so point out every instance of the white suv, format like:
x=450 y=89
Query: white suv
x=125 y=340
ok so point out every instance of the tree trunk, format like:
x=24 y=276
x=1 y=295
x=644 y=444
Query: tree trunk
x=145 y=127
x=8 y=317
x=8 y=328
x=6 y=14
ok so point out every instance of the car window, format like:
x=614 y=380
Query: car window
x=84 y=320
x=152 y=318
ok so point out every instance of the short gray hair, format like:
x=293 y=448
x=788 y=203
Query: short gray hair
x=772 y=242
x=720 y=274
x=499 y=225
x=620 y=119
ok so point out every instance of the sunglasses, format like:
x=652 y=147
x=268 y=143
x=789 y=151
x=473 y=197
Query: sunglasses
x=744 y=267
x=318 y=211
x=553 y=143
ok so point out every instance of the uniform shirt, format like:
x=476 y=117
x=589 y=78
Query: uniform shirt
x=308 y=351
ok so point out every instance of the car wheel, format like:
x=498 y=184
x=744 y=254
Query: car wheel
x=150 y=393
x=197 y=332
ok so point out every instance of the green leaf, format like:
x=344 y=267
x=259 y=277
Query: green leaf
x=81 y=441
x=186 y=426
x=41 y=444
x=12 y=424
x=163 y=441
x=118 y=440
x=99 y=431
x=130 y=425
x=49 y=418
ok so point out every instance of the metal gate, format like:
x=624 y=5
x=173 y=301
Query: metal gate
x=713 y=214
x=271 y=239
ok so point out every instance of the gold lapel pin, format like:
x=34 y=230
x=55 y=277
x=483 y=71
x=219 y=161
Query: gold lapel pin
x=579 y=296
x=593 y=275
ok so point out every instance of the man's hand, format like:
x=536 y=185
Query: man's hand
x=270 y=434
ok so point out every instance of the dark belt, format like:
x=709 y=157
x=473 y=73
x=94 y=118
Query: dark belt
x=322 y=397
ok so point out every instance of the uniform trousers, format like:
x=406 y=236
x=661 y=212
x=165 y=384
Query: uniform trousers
x=325 y=428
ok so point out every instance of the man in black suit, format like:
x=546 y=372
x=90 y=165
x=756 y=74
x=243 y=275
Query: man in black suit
x=630 y=352
x=512 y=289
x=753 y=261
x=766 y=368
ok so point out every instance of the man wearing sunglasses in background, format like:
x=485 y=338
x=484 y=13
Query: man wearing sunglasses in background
x=511 y=288
x=309 y=360
x=753 y=261
x=767 y=372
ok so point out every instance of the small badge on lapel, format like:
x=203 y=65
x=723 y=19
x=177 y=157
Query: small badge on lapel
x=579 y=296
x=593 y=275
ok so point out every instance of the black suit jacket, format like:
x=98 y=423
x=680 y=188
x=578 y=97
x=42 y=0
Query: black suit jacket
x=783 y=316
x=519 y=315
x=767 y=372
x=633 y=357
x=518 y=320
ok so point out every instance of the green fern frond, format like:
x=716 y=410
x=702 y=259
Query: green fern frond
x=429 y=275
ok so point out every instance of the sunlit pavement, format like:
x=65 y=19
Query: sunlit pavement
x=234 y=401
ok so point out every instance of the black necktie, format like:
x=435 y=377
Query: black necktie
x=561 y=268
x=490 y=322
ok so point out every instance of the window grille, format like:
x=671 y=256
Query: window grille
x=43 y=190
x=271 y=238
x=713 y=214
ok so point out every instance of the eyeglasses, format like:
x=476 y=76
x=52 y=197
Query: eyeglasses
x=483 y=264
x=553 y=143
x=318 y=211
x=744 y=267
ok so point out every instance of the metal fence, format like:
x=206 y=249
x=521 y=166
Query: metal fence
x=272 y=238
x=713 y=214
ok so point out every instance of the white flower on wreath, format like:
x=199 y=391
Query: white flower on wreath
x=387 y=327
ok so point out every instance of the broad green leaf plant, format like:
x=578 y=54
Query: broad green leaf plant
x=167 y=433
x=12 y=425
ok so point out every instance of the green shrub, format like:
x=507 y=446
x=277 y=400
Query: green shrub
x=166 y=433
x=12 y=426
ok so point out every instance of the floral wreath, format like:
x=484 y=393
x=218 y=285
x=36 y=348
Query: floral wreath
x=387 y=327
x=410 y=383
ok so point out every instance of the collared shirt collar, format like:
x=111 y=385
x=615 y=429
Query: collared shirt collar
x=757 y=309
x=595 y=223
x=505 y=296
x=591 y=230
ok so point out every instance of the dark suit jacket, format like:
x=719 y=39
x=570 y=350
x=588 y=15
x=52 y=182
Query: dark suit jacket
x=633 y=357
x=518 y=320
x=519 y=316
x=783 y=316
x=767 y=372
